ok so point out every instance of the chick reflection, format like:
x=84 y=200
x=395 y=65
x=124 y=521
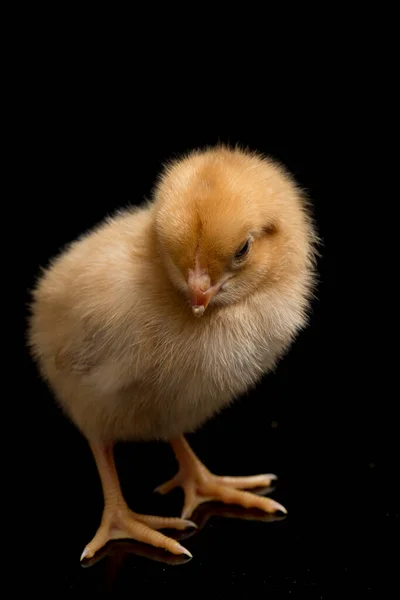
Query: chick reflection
x=117 y=551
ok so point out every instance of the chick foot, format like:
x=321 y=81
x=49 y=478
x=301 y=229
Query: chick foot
x=200 y=485
x=119 y=522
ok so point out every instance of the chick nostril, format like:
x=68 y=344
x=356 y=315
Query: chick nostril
x=204 y=282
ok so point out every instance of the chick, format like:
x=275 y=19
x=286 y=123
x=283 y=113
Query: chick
x=159 y=317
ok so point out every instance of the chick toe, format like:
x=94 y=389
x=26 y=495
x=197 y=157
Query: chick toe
x=200 y=485
x=121 y=523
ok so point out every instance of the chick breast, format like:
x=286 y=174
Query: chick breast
x=122 y=351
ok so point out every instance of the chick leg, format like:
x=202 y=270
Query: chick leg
x=199 y=485
x=119 y=522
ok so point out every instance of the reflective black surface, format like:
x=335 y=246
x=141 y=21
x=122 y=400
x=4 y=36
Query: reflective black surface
x=311 y=422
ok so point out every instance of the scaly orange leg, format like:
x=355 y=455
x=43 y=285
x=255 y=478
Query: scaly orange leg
x=199 y=485
x=119 y=522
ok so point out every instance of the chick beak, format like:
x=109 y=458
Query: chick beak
x=199 y=301
x=200 y=291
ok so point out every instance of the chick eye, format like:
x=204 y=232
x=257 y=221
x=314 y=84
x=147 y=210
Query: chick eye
x=242 y=251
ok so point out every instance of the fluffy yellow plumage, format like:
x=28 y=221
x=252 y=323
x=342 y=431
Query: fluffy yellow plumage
x=228 y=238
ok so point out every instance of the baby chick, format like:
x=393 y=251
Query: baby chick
x=159 y=317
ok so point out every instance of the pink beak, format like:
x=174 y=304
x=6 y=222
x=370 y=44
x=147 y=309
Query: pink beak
x=200 y=290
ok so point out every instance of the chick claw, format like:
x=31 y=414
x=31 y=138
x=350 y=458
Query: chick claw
x=200 y=485
x=122 y=523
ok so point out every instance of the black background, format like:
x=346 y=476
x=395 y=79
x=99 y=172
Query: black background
x=87 y=146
